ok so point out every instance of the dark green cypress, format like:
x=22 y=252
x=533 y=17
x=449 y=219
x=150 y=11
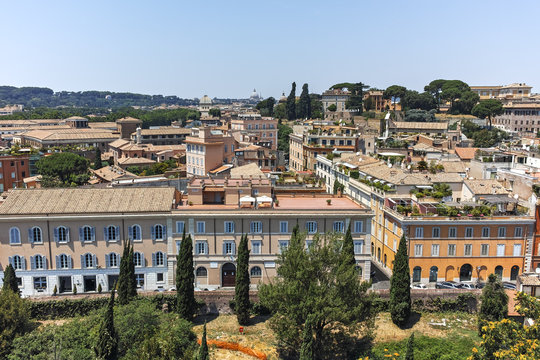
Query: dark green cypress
x=306 y=350
x=410 y=348
x=242 y=304
x=348 y=247
x=97 y=161
x=203 y=350
x=124 y=295
x=10 y=280
x=304 y=104
x=400 y=286
x=494 y=302
x=132 y=289
x=107 y=344
x=291 y=103
x=185 y=278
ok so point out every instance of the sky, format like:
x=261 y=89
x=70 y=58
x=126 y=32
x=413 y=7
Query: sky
x=228 y=48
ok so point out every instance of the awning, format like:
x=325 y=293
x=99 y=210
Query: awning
x=247 y=199
x=264 y=199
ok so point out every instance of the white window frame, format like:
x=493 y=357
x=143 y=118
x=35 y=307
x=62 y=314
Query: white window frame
x=137 y=232
x=201 y=227
x=339 y=226
x=484 y=249
x=451 y=249
x=419 y=232
x=256 y=227
x=358 y=226
x=518 y=232
x=501 y=249
x=469 y=247
x=418 y=249
x=452 y=232
x=180 y=226
x=517 y=249
x=311 y=227
x=62 y=238
x=256 y=245
x=468 y=230
x=229 y=247
x=435 y=249
x=436 y=232
x=14 y=236
x=228 y=227
x=36 y=233
x=486 y=232
x=358 y=247
x=201 y=247
x=282 y=244
x=501 y=232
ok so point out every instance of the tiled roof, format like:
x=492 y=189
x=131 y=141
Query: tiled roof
x=486 y=187
x=247 y=170
x=69 y=134
x=165 y=131
x=529 y=280
x=128 y=120
x=86 y=201
x=465 y=153
x=453 y=166
x=135 y=161
x=419 y=125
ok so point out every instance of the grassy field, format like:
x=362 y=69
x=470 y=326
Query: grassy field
x=453 y=341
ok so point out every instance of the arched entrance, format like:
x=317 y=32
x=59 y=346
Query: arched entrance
x=514 y=272
x=499 y=271
x=384 y=260
x=228 y=275
x=433 y=274
x=417 y=274
x=379 y=254
x=449 y=273
x=482 y=273
x=465 y=273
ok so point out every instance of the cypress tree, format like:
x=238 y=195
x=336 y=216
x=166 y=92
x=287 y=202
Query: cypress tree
x=124 y=281
x=348 y=247
x=306 y=350
x=185 y=278
x=291 y=103
x=304 y=104
x=242 y=283
x=203 y=350
x=132 y=288
x=107 y=344
x=97 y=161
x=410 y=348
x=400 y=286
x=10 y=280
x=494 y=302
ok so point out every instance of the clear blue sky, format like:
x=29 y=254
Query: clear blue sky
x=227 y=48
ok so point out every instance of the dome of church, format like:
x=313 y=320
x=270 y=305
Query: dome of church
x=205 y=100
x=254 y=95
x=283 y=98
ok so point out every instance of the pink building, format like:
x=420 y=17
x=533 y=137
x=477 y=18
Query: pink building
x=255 y=129
x=208 y=149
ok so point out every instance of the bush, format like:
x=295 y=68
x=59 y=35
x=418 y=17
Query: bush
x=14 y=319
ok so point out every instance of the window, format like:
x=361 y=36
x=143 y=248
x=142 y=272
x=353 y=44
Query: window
x=180 y=225
x=499 y=271
x=14 y=236
x=451 y=249
x=160 y=277
x=112 y=260
x=417 y=274
x=18 y=262
x=309 y=244
x=484 y=249
x=452 y=232
x=201 y=272
x=283 y=227
x=87 y=233
x=435 y=250
x=135 y=233
x=201 y=248
x=256 y=247
x=40 y=283
x=38 y=262
x=229 y=227
x=61 y=234
x=358 y=226
x=517 y=249
x=158 y=259
x=34 y=235
x=311 y=227
x=418 y=249
x=229 y=248
x=518 y=231
x=63 y=262
x=419 y=232
x=88 y=260
x=500 y=249
x=283 y=245
x=111 y=233
x=436 y=232
x=158 y=232
x=339 y=226
x=502 y=232
x=358 y=247
x=138 y=259
x=256 y=227
x=256 y=271
x=467 y=251
x=140 y=280
x=469 y=232
x=201 y=227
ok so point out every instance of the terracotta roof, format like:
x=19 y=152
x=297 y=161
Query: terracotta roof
x=465 y=153
x=135 y=161
x=85 y=201
x=529 y=280
x=70 y=134
x=165 y=131
x=118 y=143
x=247 y=170
x=485 y=187
x=110 y=173
x=128 y=120
x=453 y=166
x=419 y=125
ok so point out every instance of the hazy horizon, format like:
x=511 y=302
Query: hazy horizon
x=226 y=49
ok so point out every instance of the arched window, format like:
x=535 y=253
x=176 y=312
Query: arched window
x=87 y=233
x=256 y=271
x=61 y=234
x=17 y=262
x=135 y=233
x=158 y=232
x=64 y=261
x=138 y=259
x=379 y=254
x=465 y=273
x=499 y=271
x=417 y=274
x=201 y=272
x=38 y=262
x=514 y=272
x=433 y=274
x=34 y=235
x=112 y=260
x=158 y=259
x=384 y=260
x=88 y=260
x=112 y=233
x=14 y=236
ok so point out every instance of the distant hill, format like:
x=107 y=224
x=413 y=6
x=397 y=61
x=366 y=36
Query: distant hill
x=32 y=97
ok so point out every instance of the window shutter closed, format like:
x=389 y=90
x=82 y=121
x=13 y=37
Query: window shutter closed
x=70 y=262
x=143 y=260
x=153 y=231
x=10 y=260
x=81 y=234
x=224 y=249
x=130 y=232
x=164 y=232
x=94 y=260
x=233 y=248
x=55 y=234
x=106 y=234
x=83 y=265
x=67 y=234
x=118 y=259
x=107 y=262
x=23 y=262
x=93 y=233
x=32 y=262
x=45 y=267
x=30 y=236
x=117 y=233
x=153 y=257
x=57 y=262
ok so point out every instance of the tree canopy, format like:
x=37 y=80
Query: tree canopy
x=291 y=103
x=185 y=278
x=63 y=169
x=483 y=138
x=266 y=106
x=395 y=93
x=304 y=104
x=488 y=109
x=400 y=288
x=494 y=302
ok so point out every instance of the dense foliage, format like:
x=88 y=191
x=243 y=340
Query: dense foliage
x=154 y=169
x=127 y=283
x=494 y=302
x=483 y=138
x=420 y=115
x=14 y=319
x=319 y=281
x=63 y=169
x=266 y=106
x=10 y=280
x=400 y=290
x=291 y=103
x=283 y=138
x=203 y=349
x=106 y=347
x=303 y=110
x=306 y=351
x=242 y=304
x=488 y=109
x=185 y=278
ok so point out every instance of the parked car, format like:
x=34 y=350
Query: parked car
x=466 y=286
x=509 y=285
x=480 y=285
x=446 y=285
x=418 y=286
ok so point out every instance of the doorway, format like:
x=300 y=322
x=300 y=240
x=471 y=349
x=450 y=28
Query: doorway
x=89 y=283
x=65 y=284
x=228 y=275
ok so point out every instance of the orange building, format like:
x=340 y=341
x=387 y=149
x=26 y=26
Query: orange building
x=13 y=169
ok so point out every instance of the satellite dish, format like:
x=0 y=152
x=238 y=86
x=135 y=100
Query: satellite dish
x=537 y=270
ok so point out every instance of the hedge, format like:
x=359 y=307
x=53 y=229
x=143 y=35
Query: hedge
x=465 y=302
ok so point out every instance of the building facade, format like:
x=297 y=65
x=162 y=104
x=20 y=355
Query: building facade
x=208 y=149
x=255 y=129
x=13 y=170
